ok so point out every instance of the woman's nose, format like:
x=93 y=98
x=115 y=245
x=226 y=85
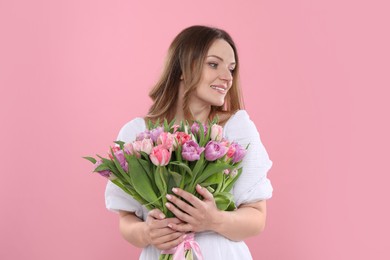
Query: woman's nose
x=226 y=74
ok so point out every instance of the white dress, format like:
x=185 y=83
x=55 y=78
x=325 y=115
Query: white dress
x=253 y=185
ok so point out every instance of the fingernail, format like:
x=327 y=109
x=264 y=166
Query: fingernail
x=162 y=215
x=199 y=187
x=169 y=196
x=170 y=225
x=174 y=190
x=168 y=205
x=184 y=237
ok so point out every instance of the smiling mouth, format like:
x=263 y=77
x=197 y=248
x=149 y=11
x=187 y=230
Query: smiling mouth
x=219 y=88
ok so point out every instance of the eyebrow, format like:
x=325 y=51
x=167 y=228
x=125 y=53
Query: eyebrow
x=219 y=58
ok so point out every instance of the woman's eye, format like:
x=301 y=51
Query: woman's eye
x=213 y=64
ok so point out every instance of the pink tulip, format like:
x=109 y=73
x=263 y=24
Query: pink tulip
x=128 y=148
x=182 y=137
x=231 y=151
x=175 y=127
x=114 y=150
x=137 y=146
x=167 y=140
x=216 y=132
x=160 y=155
x=146 y=145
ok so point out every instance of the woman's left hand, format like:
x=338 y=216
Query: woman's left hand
x=198 y=215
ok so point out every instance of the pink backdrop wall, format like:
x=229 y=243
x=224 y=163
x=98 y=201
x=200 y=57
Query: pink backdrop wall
x=315 y=77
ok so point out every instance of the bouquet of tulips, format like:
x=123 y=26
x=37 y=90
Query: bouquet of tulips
x=167 y=156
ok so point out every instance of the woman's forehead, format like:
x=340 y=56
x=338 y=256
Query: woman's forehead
x=223 y=50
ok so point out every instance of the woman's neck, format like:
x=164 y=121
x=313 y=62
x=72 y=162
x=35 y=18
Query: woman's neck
x=199 y=111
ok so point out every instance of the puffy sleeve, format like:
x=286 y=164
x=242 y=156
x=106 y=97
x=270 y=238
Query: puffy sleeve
x=116 y=198
x=253 y=184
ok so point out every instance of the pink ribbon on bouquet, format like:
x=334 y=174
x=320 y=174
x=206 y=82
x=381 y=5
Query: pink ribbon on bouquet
x=188 y=243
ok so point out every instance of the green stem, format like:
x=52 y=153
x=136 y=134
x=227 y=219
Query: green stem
x=163 y=198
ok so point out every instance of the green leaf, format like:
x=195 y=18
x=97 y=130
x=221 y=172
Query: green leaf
x=176 y=177
x=215 y=120
x=223 y=200
x=200 y=164
x=150 y=124
x=211 y=169
x=119 y=168
x=183 y=166
x=91 y=159
x=210 y=189
x=140 y=181
x=120 y=143
x=101 y=167
x=232 y=206
x=159 y=179
x=213 y=179
x=172 y=123
x=202 y=140
x=231 y=181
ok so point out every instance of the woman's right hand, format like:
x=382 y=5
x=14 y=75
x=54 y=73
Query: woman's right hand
x=159 y=234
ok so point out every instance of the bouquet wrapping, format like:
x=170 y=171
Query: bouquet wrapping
x=167 y=156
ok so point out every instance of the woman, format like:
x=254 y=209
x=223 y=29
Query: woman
x=200 y=81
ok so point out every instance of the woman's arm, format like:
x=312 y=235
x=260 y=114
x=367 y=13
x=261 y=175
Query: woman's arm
x=201 y=215
x=154 y=231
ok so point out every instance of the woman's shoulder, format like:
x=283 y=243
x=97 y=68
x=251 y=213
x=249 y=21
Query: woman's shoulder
x=225 y=117
x=129 y=130
x=240 y=116
x=240 y=124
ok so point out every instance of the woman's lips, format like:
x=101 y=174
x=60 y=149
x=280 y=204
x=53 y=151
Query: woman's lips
x=219 y=88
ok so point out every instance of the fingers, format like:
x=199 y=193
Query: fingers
x=178 y=213
x=169 y=243
x=181 y=204
x=156 y=214
x=162 y=235
x=188 y=197
x=204 y=192
x=181 y=227
x=156 y=220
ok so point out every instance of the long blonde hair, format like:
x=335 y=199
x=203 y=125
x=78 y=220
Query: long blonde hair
x=185 y=61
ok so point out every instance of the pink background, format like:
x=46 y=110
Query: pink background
x=315 y=76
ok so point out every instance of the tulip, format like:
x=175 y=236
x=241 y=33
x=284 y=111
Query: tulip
x=182 y=137
x=146 y=145
x=155 y=133
x=104 y=173
x=216 y=132
x=239 y=152
x=167 y=140
x=160 y=156
x=191 y=151
x=122 y=160
x=114 y=150
x=128 y=148
x=214 y=151
x=195 y=128
x=143 y=135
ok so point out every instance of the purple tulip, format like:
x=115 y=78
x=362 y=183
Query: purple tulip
x=104 y=173
x=195 y=128
x=239 y=153
x=143 y=135
x=155 y=133
x=215 y=150
x=122 y=160
x=191 y=151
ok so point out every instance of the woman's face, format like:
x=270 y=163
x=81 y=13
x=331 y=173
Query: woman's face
x=216 y=79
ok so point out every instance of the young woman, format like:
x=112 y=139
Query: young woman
x=199 y=81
